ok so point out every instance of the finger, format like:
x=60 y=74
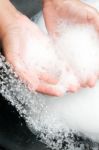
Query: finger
x=48 y=78
x=73 y=88
x=52 y=90
x=83 y=83
x=71 y=82
x=92 y=81
x=93 y=17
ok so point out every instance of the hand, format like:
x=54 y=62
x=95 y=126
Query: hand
x=73 y=11
x=24 y=47
x=28 y=51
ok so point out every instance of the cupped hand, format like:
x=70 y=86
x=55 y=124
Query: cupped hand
x=75 y=12
x=28 y=51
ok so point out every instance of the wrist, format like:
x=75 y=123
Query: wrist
x=8 y=13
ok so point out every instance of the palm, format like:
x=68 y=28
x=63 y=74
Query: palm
x=73 y=11
x=25 y=46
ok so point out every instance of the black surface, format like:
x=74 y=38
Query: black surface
x=14 y=134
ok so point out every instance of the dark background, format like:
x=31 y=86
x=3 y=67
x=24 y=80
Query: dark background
x=28 y=7
x=14 y=134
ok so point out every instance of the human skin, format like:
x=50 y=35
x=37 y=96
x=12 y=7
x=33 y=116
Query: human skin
x=18 y=37
x=73 y=11
x=16 y=30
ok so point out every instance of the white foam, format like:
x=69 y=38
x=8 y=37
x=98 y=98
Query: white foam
x=78 y=111
x=79 y=46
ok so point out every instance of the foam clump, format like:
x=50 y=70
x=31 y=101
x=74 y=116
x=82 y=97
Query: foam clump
x=79 y=46
x=42 y=59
